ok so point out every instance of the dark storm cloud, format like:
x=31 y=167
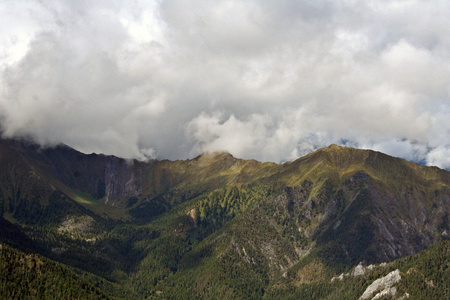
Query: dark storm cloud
x=269 y=80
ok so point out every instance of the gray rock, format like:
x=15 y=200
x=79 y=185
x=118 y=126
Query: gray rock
x=359 y=270
x=386 y=292
x=383 y=284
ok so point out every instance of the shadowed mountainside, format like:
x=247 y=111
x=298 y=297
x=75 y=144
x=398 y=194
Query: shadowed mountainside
x=216 y=225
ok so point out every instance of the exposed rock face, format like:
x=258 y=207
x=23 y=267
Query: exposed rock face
x=122 y=180
x=340 y=278
x=404 y=233
x=386 y=293
x=193 y=215
x=359 y=270
x=382 y=285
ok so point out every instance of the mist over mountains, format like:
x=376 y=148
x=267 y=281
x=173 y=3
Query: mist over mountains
x=261 y=80
x=224 y=149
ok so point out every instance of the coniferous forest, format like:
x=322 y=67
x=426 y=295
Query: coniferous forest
x=326 y=226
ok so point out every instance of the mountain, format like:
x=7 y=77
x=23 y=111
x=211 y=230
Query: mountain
x=30 y=276
x=420 y=276
x=216 y=226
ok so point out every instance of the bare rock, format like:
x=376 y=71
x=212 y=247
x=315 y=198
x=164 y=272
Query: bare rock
x=383 y=284
x=359 y=270
x=340 y=277
x=386 y=292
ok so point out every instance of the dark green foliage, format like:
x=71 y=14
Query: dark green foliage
x=216 y=227
x=132 y=201
x=13 y=235
x=125 y=237
x=423 y=276
x=35 y=277
x=426 y=275
x=149 y=209
x=146 y=211
x=218 y=207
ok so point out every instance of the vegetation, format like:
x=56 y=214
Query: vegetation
x=218 y=227
x=423 y=276
x=31 y=276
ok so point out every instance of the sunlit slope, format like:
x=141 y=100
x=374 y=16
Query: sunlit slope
x=217 y=226
x=313 y=217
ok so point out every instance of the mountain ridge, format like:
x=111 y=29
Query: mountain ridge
x=184 y=222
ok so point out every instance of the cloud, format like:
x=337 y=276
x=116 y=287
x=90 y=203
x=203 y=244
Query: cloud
x=259 y=79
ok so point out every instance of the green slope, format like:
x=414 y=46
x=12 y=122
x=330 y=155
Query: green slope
x=220 y=227
x=423 y=276
x=31 y=276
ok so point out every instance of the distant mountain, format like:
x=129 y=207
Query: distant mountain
x=216 y=226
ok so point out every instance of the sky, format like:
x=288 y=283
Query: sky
x=266 y=80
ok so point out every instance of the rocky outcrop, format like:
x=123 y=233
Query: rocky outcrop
x=77 y=226
x=384 y=286
x=359 y=270
x=388 y=292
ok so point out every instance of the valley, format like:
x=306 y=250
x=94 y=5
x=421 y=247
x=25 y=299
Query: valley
x=220 y=227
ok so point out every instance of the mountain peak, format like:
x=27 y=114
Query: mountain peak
x=186 y=219
x=334 y=147
x=336 y=153
x=214 y=156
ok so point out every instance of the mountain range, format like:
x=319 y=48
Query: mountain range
x=218 y=227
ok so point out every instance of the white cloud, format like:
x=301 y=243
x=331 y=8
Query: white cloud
x=269 y=80
x=439 y=156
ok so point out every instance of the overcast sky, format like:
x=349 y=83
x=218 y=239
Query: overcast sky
x=269 y=80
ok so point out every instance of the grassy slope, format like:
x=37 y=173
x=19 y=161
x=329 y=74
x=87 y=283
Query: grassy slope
x=235 y=205
x=216 y=266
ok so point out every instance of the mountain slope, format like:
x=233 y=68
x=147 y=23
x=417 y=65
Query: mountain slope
x=420 y=276
x=31 y=276
x=217 y=226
